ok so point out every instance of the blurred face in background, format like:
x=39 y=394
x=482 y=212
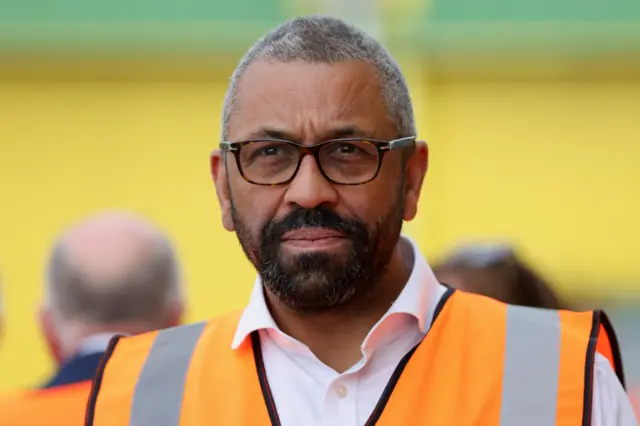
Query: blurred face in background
x=489 y=282
x=497 y=272
x=316 y=244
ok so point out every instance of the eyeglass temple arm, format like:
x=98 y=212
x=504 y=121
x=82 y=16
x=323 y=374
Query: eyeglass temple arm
x=226 y=146
x=402 y=142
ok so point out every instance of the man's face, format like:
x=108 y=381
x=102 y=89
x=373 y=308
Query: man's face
x=316 y=244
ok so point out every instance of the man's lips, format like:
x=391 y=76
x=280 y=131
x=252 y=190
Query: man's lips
x=312 y=234
x=313 y=239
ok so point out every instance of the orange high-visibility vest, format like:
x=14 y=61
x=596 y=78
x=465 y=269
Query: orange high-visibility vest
x=58 y=406
x=481 y=363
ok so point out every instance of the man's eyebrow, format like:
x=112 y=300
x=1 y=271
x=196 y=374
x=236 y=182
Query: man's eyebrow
x=349 y=132
x=336 y=133
x=271 y=133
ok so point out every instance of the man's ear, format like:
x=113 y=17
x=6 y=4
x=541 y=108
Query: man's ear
x=46 y=323
x=219 y=176
x=415 y=171
x=176 y=314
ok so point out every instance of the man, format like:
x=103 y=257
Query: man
x=347 y=324
x=111 y=274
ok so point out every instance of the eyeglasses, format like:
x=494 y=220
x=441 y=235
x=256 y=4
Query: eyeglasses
x=352 y=161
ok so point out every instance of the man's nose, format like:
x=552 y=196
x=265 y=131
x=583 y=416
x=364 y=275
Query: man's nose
x=310 y=188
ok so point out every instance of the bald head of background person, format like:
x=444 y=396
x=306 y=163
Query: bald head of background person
x=112 y=273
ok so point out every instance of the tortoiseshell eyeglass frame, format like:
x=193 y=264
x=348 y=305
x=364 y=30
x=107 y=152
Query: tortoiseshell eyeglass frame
x=314 y=150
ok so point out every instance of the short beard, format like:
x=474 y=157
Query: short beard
x=316 y=281
x=319 y=281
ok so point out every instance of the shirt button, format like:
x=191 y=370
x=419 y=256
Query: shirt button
x=341 y=391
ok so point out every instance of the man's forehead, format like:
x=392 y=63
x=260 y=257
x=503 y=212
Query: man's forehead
x=308 y=79
x=345 y=91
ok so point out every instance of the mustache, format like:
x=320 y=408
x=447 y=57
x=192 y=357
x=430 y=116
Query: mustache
x=318 y=217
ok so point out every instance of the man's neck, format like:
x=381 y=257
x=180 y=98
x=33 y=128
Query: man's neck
x=335 y=337
x=81 y=338
x=95 y=343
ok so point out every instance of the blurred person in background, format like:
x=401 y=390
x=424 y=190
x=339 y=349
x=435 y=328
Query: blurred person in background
x=496 y=271
x=347 y=325
x=111 y=274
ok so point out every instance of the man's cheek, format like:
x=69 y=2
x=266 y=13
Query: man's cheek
x=362 y=205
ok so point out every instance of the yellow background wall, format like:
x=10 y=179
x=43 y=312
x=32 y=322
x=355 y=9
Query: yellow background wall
x=552 y=164
x=71 y=148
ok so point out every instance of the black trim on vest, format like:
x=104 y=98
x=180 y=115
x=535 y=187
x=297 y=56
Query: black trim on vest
x=615 y=348
x=97 y=382
x=395 y=377
x=386 y=394
x=587 y=404
x=599 y=319
x=262 y=377
x=447 y=294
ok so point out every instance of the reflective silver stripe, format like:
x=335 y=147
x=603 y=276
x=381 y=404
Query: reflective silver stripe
x=531 y=367
x=157 y=398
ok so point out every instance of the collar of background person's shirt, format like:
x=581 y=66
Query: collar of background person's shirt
x=416 y=302
x=96 y=343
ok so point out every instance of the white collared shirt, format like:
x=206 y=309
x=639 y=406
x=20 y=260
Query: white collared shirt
x=307 y=392
x=95 y=344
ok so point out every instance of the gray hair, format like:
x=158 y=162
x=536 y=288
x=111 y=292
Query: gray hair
x=320 y=39
x=141 y=295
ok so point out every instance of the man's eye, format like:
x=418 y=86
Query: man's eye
x=346 y=148
x=269 y=150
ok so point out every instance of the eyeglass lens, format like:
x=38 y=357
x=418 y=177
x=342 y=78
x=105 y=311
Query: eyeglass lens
x=272 y=162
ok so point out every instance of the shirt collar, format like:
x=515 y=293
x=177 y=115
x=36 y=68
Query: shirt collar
x=421 y=294
x=418 y=300
x=256 y=316
x=96 y=343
